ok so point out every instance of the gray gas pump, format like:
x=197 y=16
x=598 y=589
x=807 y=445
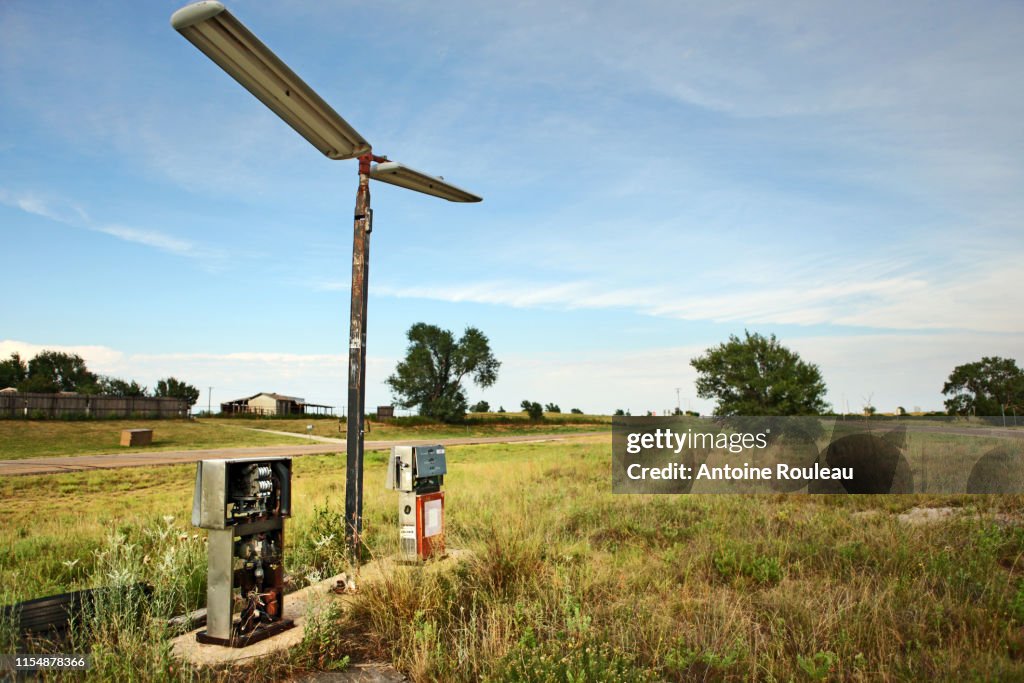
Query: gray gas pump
x=243 y=503
x=417 y=473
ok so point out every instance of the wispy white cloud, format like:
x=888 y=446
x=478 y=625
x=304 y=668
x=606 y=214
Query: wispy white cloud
x=72 y=214
x=984 y=297
x=150 y=238
x=525 y=294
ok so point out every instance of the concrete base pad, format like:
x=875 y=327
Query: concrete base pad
x=299 y=606
x=357 y=673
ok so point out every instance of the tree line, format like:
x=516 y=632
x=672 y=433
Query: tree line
x=756 y=375
x=50 y=372
x=750 y=376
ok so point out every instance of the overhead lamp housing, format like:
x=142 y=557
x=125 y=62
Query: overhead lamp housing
x=225 y=40
x=398 y=174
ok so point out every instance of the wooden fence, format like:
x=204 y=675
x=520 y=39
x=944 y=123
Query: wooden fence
x=34 y=405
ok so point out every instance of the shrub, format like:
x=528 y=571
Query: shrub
x=533 y=409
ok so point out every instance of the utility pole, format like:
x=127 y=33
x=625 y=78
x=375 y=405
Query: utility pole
x=679 y=406
x=209 y=401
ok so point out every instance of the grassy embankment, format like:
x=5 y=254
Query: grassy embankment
x=566 y=579
x=21 y=439
x=38 y=438
x=475 y=424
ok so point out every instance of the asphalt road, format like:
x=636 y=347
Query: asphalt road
x=107 y=461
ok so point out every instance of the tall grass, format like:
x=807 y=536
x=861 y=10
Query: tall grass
x=568 y=582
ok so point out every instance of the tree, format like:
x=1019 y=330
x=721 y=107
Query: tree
x=619 y=412
x=986 y=387
x=174 y=388
x=480 y=407
x=533 y=409
x=53 y=371
x=552 y=408
x=758 y=376
x=435 y=365
x=501 y=409
x=112 y=386
x=576 y=411
x=13 y=371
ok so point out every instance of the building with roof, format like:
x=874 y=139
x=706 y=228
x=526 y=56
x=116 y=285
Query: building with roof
x=270 y=404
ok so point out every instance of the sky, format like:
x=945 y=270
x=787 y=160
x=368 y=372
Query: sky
x=656 y=177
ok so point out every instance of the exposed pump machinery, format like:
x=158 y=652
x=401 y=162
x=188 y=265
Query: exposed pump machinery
x=243 y=503
x=417 y=473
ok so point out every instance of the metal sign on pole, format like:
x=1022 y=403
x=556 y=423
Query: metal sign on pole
x=227 y=42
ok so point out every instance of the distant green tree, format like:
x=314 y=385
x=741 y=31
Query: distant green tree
x=53 y=371
x=435 y=365
x=758 y=376
x=552 y=408
x=533 y=409
x=13 y=371
x=576 y=411
x=501 y=409
x=174 y=388
x=990 y=386
x=619 y=412
x=113 y=386
x=480 y=407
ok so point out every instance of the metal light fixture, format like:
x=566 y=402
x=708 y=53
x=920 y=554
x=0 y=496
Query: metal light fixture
x=220 y=36
x=215 y=31
x=397 y=174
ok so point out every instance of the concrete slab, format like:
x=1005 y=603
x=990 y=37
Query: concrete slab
x=300 y=606
x=357 y=673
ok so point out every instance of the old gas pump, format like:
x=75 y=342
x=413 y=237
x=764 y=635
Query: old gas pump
x=417 y=473
x=243 y=503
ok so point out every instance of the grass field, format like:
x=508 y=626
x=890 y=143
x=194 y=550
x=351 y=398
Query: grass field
x=567 y=582
x=37 y=438
x=477 y=424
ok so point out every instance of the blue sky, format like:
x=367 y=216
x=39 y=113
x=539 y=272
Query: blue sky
x=656 y=176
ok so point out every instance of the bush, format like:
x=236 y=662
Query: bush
x=533 y=409
x=480 y=407
x=552 y=408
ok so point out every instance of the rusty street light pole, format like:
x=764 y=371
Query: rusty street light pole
x=362 y=227
x=220 y=36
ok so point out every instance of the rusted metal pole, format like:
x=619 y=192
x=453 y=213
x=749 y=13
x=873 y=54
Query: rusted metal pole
x=363 y=225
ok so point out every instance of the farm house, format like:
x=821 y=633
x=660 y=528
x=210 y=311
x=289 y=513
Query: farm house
x=270 y=404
